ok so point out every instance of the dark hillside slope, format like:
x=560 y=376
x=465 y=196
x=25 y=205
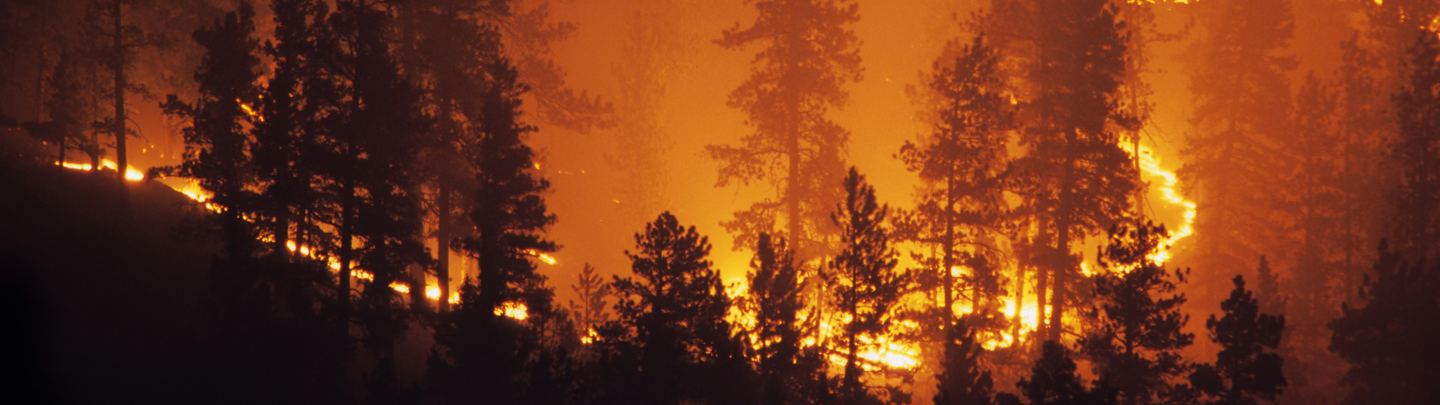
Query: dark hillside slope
x=104 y=291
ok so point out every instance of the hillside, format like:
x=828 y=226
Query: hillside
x=106 y=286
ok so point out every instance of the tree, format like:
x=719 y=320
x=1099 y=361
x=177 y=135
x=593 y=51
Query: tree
x=1075 y=179
x=117 y=55
x=775 y=299
x=796 y=80
x=671 y=331
x=962 y=164
x=963 y=382
x=866 y=286
x=1136 y=328
x=1244 y=372
x=1417 y=202
x=217 y=140
x=508 y=211
x=1389 y=342
x=1240 y=84
x=590 y=311
x=1053 y=382
x=296 y=98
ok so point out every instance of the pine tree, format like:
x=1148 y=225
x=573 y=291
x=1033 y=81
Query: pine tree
x=1389 y=343
x=671 y=332
x=117 y=54
x=1053 y=382
x=800 y=75
x=962 y=164
x=1244 y=372
x=217 y=140
x=1075 y=178
x=1242 y=94
x=1136 y=329
x=775 y=299
x=590 y=311
x=963 y=382
x=866 y=287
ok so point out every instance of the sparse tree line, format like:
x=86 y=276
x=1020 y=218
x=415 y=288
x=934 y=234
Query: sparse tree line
x=336 y=147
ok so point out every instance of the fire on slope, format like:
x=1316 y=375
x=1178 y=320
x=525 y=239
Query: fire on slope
x=882 y=353
x=432 y=288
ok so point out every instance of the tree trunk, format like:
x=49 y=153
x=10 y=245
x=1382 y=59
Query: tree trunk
x=442 y=245
x=949 y=256
x=347 y=214
x=1042 y=280
x=118 y=68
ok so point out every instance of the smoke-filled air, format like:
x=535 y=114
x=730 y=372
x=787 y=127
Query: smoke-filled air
x=717 y=202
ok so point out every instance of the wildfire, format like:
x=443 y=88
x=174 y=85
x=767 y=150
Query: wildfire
x=1151 y=165
x=130 y=173
x=514 y=310
x=542 y=256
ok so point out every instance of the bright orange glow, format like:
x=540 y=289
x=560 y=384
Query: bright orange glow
x=1168 y=192
x=400 y=287
x=130 y=173
x=542 y=256
x=514 y=310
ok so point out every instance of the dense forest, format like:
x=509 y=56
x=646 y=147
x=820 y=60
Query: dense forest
x=513 y=201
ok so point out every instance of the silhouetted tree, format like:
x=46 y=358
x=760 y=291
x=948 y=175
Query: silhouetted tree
x=1390 y=342
x=590 y=311
x=865 y=285
x=296 y=98
x=775 y=299
x=1053 y=382
x=507 y=210
x=962 y=165
x=117 y=54
x=217 y=139
x=1136 y=332
x=963 y=382
x=1244 y=372
x=810 y=55
x=671 y=340
x=1075 y=179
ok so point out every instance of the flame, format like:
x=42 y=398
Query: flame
x=400 y=287
x=542 y=256
x=1151 y=165
x=514 y=310
x=130 y=173
x=250 y=111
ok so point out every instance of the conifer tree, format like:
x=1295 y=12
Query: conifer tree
x=217 y=140
x=1244 y=371
x=866 y=286
x=671 y=335
x=963 y=382
x=1053 y=382
x=1389 y=342
x=117 y=53
x=810 y=55
x=1242 y=93
x=1136 y=329
x=962 y=164
x=1075 y=178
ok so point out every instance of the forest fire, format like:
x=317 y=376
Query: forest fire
x=765 y=201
